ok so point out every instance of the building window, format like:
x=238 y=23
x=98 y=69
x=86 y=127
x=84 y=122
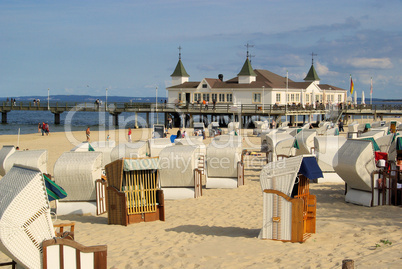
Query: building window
x=179 y=96
x=339 y=97
x=292 y=97
x=256 y=97
x=278 y=97
x=221 y=97
x=287 y=98
x=204 y=86
x=205 y=96
x=307 y=98
x=214 y=96
x=197 y=97
x=229 y=97
x=297 y=97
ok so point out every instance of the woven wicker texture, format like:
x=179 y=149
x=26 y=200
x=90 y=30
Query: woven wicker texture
x=177 y=164
x=280 y=175
x=129 y=150
x=76 y=172
x=156 y=145
x=31 y=158
x=356 y=162
x=305 y=140
x=326 y=148
x=25 y=220
x=5 y=152
x=222 y=159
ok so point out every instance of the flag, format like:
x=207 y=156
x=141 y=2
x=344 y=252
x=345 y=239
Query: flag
x=371 y=86
x=351 y=85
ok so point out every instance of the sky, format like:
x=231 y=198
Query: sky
x=131 y=47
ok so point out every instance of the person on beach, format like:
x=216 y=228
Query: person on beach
x=340 y=126
x=39 y=127
x=107 y=138
x=47 y=129
x=129 y=134
x=43 y=128
x=178 y=135
x=88 y=133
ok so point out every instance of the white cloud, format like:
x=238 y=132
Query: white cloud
x=322 y=70
x=383 y=63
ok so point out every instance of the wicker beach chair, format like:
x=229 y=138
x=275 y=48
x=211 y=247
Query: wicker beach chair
x=305 y=141
x=137 y=149
x=224 y=166
x=326 y=147
x=180 y=177
x=77 y=172
x=25 y=220
x=105 y=147
x=288 y=218
x=5 y=152
x=31 y=158
x=156 y=145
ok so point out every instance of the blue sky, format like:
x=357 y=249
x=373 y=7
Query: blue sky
x=130 y=47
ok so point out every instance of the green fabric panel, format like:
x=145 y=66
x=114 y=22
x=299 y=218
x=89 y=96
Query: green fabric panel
x=90 y=148
x=296 y=144
x=368 y=126
x=375 y=145
x=399 y=143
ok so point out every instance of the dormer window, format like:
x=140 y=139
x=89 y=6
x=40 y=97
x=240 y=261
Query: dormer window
x=204 y=86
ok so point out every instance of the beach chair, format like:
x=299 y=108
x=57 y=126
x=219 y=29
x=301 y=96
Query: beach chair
x=133 y=193
x=269 y=144
x=155 y=145
x=5 y=152
x=180 y=176
x=137 y=149
x=31 y=158
x=105 y=147
x=26 y=228
x=357 y=167
x=63 y=253
x=77 y=172
x=289 y=210
x=224 y=164
x=305 y=141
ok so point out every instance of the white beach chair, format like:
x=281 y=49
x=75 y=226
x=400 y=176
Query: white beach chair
x=105 y=147
x=179 y=175
x=77 y=172
x=5 y=152
x=31 y=158
x=305 y=141
x=155 y=145
x=25 y=220
x=137 y=149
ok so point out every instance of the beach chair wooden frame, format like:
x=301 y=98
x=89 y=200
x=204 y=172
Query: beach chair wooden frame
x=133 y=196
x=63 y=253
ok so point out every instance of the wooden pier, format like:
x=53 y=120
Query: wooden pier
x=240 y=112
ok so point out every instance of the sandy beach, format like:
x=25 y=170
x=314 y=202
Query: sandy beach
x=220 y=229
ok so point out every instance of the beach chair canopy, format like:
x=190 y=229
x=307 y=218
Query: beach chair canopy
x=30 y=158
x=326 y=147
x=177 y=164
x=76 y=173
x=305 y=141
x=129 y=150
x=25 y=220
x=5 y=152
x=356 y=162
x=157 y=144
x=105 y=147
x=222 y=158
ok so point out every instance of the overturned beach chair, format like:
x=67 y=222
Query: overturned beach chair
x=288 y=218
x=155 y=145
x=31 y=158
x=133 y=191
x=180 y=172
x=224 y=166
x=137 y=149
x=356 y=166
x=77 y=172
x=5 y=152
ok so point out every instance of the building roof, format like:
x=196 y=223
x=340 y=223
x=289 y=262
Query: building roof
x=247 y=70
x=180 y=71
x=264 y=78
x=312 y=74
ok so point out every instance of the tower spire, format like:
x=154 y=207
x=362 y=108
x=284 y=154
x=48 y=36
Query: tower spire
x=179 y=48
x=312 y=58
x=248 y=46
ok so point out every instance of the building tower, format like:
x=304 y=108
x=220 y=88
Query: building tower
x=179 y=75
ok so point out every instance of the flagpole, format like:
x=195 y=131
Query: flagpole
x=371 y=91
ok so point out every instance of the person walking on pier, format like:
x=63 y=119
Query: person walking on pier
x=340 y=126
x=129 y=134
